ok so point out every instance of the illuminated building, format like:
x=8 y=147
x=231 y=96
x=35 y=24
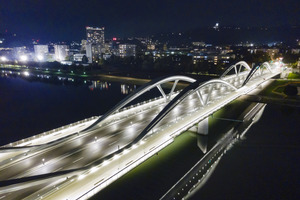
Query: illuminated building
x=95 y=35
x=41 y=52
x=94 y=43
x=89 y=55
x=126 y=50
x=78 y=57
x=151 y=47
x=60 y=52
x=83 y=45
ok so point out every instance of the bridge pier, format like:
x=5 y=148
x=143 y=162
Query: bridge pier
x=202 y=127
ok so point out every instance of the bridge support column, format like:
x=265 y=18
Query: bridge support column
x=202 y=142
x=202 y=128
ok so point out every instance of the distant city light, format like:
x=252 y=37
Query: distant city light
x=3 y=58
x=40 y=57
x=26 y=73
x=114 y=38
x=23 y=58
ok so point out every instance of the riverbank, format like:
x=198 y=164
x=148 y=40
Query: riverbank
x=136 y=78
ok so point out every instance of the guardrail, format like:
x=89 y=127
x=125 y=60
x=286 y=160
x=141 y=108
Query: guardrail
x=19 y=142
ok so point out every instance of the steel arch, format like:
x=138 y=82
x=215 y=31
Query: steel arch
x=237 y=70
x=191 y=89
x=255 y=69
x=146 y=87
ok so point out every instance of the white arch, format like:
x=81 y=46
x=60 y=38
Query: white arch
x=267 y=65
x=145 y=88
x=236 y=69
x=188 y=91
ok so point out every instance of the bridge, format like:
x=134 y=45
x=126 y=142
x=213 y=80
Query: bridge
x=78 y=160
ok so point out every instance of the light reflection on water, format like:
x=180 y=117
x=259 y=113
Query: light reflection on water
x=93 y=85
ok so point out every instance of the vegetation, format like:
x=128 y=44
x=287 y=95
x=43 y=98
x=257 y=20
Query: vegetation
x=294 y=76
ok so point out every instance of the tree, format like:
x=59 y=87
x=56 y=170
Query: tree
x=85 y=59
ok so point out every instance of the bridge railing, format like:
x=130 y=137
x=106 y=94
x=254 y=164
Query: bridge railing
x=47 y=133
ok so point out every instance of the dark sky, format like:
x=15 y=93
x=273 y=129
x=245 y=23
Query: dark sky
x=67 y=19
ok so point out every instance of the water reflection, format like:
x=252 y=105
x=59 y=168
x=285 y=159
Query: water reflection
x=197 y=176
x=93 y=85
x=99 y=85
x=126 y=89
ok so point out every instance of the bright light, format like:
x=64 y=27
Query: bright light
x=93 y=169
x=26 y=73
x=40 y=57
x=125 y=151
x=81 y=177
x=3 y=58
x=23 y=58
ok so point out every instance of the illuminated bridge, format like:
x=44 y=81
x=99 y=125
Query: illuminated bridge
x=78 y=160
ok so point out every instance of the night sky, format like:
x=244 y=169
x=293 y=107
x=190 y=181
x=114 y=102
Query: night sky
x=66 y=19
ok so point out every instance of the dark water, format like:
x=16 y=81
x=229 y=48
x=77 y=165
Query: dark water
x=263 y=166
x=29 y=107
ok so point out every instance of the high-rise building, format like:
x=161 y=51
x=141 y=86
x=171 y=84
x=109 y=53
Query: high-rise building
x=126 y=50
x=83 y=45
x=95 y=42
x=60 y=52
x=95 y=35
x=89 y=55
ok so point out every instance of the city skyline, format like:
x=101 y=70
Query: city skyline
x=59 y=21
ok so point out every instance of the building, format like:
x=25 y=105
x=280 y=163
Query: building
x=83 y=45
x=126 y=50
x=88 y=50
x=41 y=52
x=213 y=58
x=94 y=42
x=22 y=54
x=78 y=57
x=95 y=35
x=151 y=47
x=60 y=52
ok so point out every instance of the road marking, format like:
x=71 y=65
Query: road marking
x=58 y=169
x=77 y=160
x=113 y=143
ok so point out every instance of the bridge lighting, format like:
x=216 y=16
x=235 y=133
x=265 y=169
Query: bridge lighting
x=142 y=142
x=105 y=162
x=125 y=151
x=93 y=169
x=81 y=177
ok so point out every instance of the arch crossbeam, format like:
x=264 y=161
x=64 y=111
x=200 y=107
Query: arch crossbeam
x=237 y=70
